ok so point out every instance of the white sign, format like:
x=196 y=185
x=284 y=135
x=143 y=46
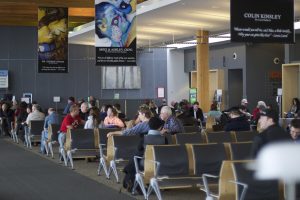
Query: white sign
x=161 y=92
x=25 y=99
x=279 y=91
x=3 y=78
x=56 y=99
x=29 y=96
x=219 y=92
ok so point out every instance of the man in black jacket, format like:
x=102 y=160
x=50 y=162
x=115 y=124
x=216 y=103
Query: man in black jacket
x=237 y=121
x=197 y=113
x=271 y=131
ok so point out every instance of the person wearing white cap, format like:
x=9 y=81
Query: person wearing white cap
x=244 y=109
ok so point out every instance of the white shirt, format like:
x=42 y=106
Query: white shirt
x=36 y=115
x=89 y=123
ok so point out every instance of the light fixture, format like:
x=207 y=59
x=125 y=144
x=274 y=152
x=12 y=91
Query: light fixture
x=192 y=43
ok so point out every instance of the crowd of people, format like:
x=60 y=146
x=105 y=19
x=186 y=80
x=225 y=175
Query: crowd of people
x=152 y=120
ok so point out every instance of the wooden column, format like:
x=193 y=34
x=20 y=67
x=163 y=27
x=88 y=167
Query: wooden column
x=202 y=57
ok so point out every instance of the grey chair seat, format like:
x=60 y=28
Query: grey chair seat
x=85 y=153
x=180 y=182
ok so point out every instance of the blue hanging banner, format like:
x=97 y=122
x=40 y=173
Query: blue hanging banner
x=52 y=40
x=115 y=32
x=262 y=21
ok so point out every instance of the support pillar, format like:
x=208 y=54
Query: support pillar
x=202 y=56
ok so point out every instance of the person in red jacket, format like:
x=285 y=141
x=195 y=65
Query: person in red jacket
x=71 y=121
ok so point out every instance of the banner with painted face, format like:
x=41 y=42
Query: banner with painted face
x=115 y=32
x=52 y=40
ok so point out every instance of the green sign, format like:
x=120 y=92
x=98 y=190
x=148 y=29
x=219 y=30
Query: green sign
x=193 y=95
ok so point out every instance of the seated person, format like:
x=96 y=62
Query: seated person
x=186 y=118
x=155 y=125
x=214 y=112
x=244 y=108
x=141 y=128
x=270 y=132
x=7 y=117
x=112 y=120
x=93 y=119
x=294 y=108
x=261 y=106
x=197 y=113
x=71 y=101
x=295 y=130
x=237 y=121
x=71 y=121
x=52 y=118
x=172 y=124
x=84 y=111
x=121 y=115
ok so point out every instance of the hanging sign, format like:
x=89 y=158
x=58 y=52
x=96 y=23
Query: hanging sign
x=262 y=21
x=52 y=40
x=115 y=32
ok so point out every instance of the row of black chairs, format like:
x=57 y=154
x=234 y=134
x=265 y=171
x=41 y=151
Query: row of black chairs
x=195 y=164
x=168 y=171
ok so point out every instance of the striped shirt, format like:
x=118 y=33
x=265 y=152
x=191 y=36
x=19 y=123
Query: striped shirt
x=173 y=125
x=140 y=128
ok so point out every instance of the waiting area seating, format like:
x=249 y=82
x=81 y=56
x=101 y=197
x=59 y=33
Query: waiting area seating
x=35 y=128
x=52 y=138
x=103 y=148
x=162 y=171
x=81 y=143
x=119 y=149
x=192 y=129
x=188 y=138
x=237 y=182
x=232 y=136
x=238 y=150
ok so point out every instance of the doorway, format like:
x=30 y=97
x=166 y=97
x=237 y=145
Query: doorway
x=235 y=87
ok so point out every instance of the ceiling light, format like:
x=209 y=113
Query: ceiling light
x=192 y=43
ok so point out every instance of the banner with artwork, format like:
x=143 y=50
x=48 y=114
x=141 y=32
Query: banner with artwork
x=262 y=21
x=115 y=32
x=52 y=40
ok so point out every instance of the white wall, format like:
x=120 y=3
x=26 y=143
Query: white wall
x=178 y=81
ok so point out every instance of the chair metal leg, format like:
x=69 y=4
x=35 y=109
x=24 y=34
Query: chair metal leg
x=46 y=147
x=26 y=140
x=140 y=182
x=113 y=167
x=135 y=184
x=154 y=184
x=63 y=154
x=102 y=164
x=51 y=149
x=149 y=191
x=16 y=137
x=12 y=135
x=29 y=141
x=70 y=158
